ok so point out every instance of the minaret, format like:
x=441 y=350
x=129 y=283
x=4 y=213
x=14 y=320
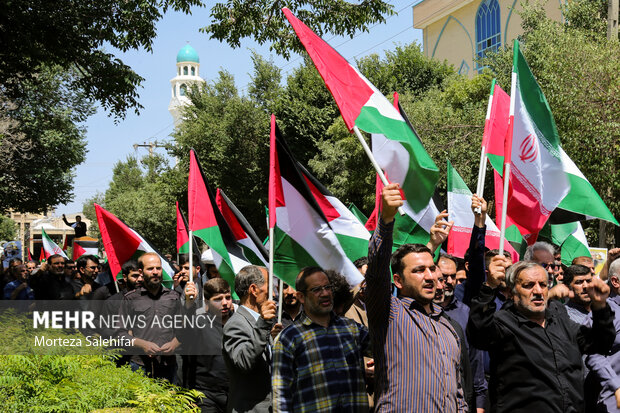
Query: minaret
x=188 y=74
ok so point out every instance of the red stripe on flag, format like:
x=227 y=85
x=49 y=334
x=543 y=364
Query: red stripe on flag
x=229 y=216
x=276 y=194
x=328 y=209
x=200 y=209
x=182 y=235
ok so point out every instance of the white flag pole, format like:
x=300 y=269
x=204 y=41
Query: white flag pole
x=482 y=170
x=271 y=246
x=116 y=285
x=507 y=156
x=191 y=259
x=401 y=211
x=280 y=299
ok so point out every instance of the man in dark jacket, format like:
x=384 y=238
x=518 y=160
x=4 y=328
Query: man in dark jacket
x=535 y=348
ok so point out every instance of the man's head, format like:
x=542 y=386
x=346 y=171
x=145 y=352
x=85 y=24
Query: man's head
x=70 y=268
x=528 y=284
x=19 y=272
x=212 y=272
x=361 y=264
x=252 y=285
x=289 y=298
x=31 y=265
x=585 y=261
x=132 y=275
x=461 y=272
x=78 y=218
x=56 y=264
x=184 y=264
x=577 y=278
x=448 y=266
x=315 y=292
x=88 y=267
x=542 y=253
x=414 y=272
x=341 y=292
x=149 y=265
x=488 y=256
x=613 y=278
x=14 y=262
x=218 y=298
x=557 y=253
x=440 y=290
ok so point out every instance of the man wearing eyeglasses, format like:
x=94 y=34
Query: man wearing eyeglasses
x=542 y=253
x=88 y=268
x=318 y=361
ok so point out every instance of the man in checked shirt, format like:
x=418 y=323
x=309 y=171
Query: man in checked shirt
x=416 y=351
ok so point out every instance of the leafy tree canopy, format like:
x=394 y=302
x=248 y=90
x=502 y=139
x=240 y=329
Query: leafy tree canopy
x=8 y=229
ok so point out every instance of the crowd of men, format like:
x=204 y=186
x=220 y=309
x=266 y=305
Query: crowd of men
x=424 y=332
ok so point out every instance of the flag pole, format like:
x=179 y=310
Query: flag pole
x=401 y=211
x=508 y=151
x=482 y=170
x=116 y=285
x=280 y=295
x=191 y=260
x=271 y=247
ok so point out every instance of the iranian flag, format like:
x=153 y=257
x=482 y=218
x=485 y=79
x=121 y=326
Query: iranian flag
x=85 y=246
x=50 y=247
x=311 y=228
x=182 y=234
x=459 y=211
x=363 y=106
x=122 y=243
x=253 y=249
x=207 y=223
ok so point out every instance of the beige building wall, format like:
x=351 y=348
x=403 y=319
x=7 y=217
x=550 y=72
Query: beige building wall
x=449 y=28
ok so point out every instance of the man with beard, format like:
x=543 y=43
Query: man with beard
x=535 y=348
x=318 y=361
x=291 y=306
x=152 y=301
x=84 y=286
x=416 y=350
x=207 y=372
x=51 y=284
x=577 y=278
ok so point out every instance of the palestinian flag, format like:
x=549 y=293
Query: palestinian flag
x=85 y=245
x=182 y=234
x=42 y=257
x=363 y=105
x=310 y=226
x=29 y=255
x=50 y=247
x=253 y=249
x=122 y=244
x=459 y=211
x=570 y=237
x=512 y=234
x=357 y=213
x=496 y=127
x=411 y=228
x=207 y=223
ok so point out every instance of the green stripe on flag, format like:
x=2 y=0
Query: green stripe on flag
x=289 y=257
x=584 y=199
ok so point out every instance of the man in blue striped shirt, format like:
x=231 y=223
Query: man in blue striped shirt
x=416 y=351
x=318 y=361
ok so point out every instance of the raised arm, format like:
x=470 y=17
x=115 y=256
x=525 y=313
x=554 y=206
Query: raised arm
x=476 y=272
x=378 y=277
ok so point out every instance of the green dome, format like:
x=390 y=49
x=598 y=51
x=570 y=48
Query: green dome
x=188 y=54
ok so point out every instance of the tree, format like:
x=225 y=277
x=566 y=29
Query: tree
x=8 y=228
x=42 y=141
x=263 y=20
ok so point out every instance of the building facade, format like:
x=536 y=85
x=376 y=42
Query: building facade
x=459 y=31
x=188 y=75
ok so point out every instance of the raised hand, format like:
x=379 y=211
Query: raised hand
x=391 y=202
x=598 y=291
x=440 y=230
x=497 y=271
x=479 y=207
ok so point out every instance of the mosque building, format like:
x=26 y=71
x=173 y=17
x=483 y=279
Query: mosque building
x=187 y=75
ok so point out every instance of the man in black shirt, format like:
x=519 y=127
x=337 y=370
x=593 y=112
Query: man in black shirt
x=84 y=286
x=151 y=301
x=535 y=348
x=78 y=226
x=51 y=284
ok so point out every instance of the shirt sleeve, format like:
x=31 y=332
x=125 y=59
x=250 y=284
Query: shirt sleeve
x=282 y=378
x=602 y=368
x=378 y=278
x=481 y=328
x=600 y=337
x=245 y=346
x=476 y=275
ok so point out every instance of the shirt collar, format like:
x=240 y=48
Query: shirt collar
x=412 y=304
x=252 y=312
x=307 y=321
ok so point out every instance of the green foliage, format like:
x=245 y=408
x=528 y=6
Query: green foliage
x=405 y=69
x=8 y=229
x=76 y=383
x=263 y=21
x=42 y=141
x=578 y=73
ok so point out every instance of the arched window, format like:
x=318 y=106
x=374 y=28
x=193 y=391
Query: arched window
x=488 y=32
x=183 y=90
x=193 y=71
x=185 y=70
x=179 y=71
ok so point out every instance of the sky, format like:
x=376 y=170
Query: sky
x=109 y=142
